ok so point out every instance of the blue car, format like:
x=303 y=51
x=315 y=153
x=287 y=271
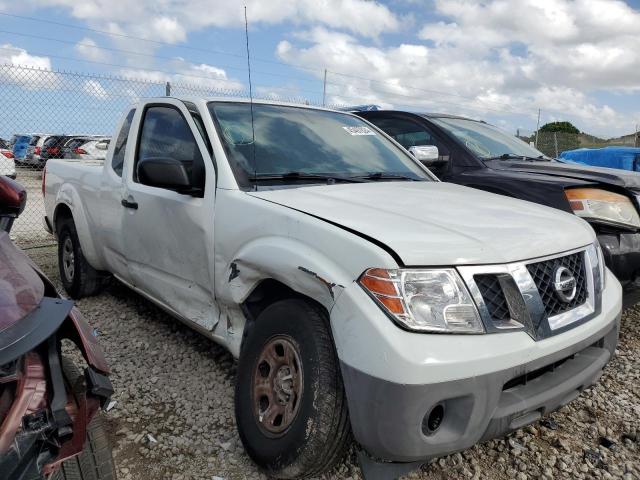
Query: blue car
x=624 y=158
x=20 y=144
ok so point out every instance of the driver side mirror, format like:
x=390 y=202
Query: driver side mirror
x=428 y=155
x=170 y=174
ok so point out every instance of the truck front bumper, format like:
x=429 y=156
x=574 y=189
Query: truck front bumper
x=474 y=388
x=622 y=255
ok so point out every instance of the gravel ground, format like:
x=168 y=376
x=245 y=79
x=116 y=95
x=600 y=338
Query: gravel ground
x=174 y=414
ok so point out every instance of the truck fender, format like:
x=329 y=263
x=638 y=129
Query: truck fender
x=68 y=196
x=289 y=261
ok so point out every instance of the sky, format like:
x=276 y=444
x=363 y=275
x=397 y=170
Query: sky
x=498 y=60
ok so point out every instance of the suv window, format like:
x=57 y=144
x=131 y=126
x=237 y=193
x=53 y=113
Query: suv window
x=166 y=133
x=121 y=143
x=409 y=133
x=34 y=140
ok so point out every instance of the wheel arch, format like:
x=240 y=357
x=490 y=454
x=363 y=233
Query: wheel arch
x=69 y=207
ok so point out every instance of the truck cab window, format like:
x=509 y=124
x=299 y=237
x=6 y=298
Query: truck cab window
x=165 y=133
x=121 y=144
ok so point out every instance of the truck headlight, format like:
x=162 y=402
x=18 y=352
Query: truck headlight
x=601 y=205
x=596 y=258
x=425 y=300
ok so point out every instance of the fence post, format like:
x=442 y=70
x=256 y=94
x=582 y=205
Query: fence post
x=555 y=142
x=324 y=87
x=167 y=90
x=535 y=144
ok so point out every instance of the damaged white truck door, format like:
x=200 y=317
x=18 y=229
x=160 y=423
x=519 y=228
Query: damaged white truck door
x=168 y=236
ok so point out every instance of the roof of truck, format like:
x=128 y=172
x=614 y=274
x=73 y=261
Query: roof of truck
x=247 y=100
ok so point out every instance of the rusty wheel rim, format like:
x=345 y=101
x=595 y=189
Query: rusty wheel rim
x=277 y=386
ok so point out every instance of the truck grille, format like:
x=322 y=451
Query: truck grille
x=522 y=295
x=542 y=275
x=493 y=296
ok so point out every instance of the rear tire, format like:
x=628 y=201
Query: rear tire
x=78 y=277
x=95 y=461
x=290 y=403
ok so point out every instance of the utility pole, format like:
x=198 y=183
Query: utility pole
x=167 y=90
x=537 y=128
x=555 y=142
x=635 y=140
x=324 y=87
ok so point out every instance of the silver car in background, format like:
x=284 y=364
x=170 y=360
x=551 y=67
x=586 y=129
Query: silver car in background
x=88 y=149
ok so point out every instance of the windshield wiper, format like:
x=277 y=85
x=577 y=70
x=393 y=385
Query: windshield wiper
x=385 y=176
x=305 y=176
x=513 y=156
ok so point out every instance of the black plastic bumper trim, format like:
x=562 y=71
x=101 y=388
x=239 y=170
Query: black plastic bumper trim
x=34 y=329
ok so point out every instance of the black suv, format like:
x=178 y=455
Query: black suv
x=476 y=154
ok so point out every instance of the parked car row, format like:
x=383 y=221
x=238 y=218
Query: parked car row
x=363 y=298
x=36 y=149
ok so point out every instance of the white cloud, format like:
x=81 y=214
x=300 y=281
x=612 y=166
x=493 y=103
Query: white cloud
x=31 y=71
x=188 y=78
x=171 y=19
x=87 y=48
x=167 y=29
x=95 y=89
x=19 y=56
x=499 y=57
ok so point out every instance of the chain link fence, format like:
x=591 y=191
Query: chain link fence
x=55 y=114
x=553 y=144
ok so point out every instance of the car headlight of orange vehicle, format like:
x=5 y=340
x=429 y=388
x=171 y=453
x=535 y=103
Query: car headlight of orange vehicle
x=602 y=206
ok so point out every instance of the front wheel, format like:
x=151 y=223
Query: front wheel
x=290 y=403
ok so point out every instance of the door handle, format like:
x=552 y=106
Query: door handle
x=128 y=204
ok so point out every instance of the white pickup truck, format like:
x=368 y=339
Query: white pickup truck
x=359 y=294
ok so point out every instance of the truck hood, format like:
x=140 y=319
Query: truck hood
x=433 y=223
x=610 y=176
x=21 y=288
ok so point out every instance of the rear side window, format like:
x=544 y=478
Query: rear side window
x=34 y=140
x=76 y=142
x=51 y=141
x=409 y=133
x=166 y=133
x=117 y=161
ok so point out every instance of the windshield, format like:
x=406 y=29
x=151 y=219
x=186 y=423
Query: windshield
x=308 y=142
x=486 y=141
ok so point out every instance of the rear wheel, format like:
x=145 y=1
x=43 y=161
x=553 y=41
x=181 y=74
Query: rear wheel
x=95 y=461
x=291 y=408
x=78 y=277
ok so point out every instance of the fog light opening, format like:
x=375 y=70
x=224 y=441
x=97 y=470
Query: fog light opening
x=433 y=420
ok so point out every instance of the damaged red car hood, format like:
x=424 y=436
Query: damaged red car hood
x=21 y=288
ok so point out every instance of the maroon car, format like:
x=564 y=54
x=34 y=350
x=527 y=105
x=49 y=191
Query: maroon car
x=49 y=412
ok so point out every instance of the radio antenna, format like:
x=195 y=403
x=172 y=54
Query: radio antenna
x=253 y=131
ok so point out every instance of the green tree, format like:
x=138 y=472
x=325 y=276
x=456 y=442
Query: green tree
x=564 y=127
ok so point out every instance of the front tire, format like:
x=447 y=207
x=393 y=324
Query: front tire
x=78 y=277
x=291 y=407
